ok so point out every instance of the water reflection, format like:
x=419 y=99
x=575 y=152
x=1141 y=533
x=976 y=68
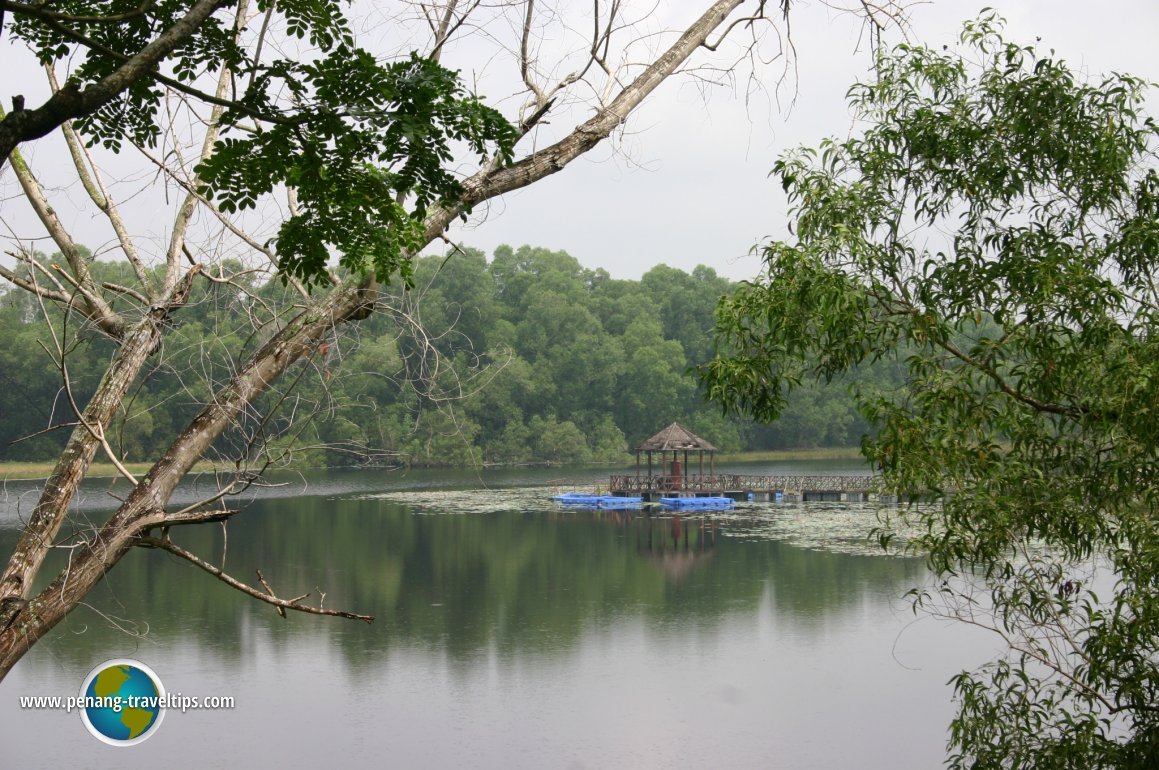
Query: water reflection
x=508 y=579
x=675 y=545
x=577 y=623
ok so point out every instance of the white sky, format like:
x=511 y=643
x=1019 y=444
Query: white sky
x=689 y=182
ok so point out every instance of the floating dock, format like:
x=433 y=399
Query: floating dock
x=697 y=502
x=598 y=501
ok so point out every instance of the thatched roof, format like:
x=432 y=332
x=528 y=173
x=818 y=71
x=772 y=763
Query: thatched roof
x=675 y=436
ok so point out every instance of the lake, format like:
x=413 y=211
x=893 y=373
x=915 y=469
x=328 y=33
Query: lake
x=509 y=632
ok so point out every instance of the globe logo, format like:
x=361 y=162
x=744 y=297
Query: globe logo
x=123 y=702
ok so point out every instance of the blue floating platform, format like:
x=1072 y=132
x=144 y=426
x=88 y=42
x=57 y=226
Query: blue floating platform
x=697 y=502
x=598 y=501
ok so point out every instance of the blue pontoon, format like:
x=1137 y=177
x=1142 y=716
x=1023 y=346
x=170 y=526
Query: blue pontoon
x=697 y=502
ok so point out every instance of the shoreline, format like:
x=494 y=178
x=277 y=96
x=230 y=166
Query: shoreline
x=38 y=471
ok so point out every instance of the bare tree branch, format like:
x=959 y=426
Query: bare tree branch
x=98 y=309
x=91 y=180
x=490 y=181
x=269 y=597
x=213 y=130
x=448 y=24
x=30 y=286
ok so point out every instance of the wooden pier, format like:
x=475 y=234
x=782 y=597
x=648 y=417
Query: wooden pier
x=759 y=488
x=674 y=478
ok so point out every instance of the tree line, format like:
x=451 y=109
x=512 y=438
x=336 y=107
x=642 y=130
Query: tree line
x=526 y=357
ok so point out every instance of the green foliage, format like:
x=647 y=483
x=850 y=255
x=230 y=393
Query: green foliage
x=558 y=441
x=366 y=140
x=538 y=360
x=994 y=231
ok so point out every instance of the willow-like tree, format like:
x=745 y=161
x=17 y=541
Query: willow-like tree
x=994 y=227
x=356 y=162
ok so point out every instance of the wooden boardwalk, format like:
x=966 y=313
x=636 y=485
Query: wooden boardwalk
x=741 y=486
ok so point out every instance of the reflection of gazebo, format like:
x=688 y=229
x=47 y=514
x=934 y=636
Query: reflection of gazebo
x=670 y=548
x=675 y=476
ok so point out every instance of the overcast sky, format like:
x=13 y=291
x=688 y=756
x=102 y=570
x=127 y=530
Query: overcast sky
x=689 y=182
x=700 y=192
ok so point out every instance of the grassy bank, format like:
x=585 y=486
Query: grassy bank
x=13 y=471
x=781 y=455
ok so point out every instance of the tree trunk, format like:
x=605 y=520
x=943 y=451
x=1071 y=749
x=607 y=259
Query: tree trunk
x=144 y=509
x=16 y=582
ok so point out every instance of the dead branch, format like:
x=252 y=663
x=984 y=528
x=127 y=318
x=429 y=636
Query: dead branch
x=445 y=26
x=212 y=132
x=97 y=309
x=747 y=21
x=269 y=597
x=119 y=289
x=492 y=181
x=33 y=287
x=90 y=178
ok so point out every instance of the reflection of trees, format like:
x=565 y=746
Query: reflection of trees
x=518 y=583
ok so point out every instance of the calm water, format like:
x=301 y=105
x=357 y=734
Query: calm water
x=509 y=633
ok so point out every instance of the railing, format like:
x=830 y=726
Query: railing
x=743 y=482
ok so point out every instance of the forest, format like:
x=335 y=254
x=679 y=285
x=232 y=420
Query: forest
x=526 y=357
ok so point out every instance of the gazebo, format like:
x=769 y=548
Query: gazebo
x=674 y=476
